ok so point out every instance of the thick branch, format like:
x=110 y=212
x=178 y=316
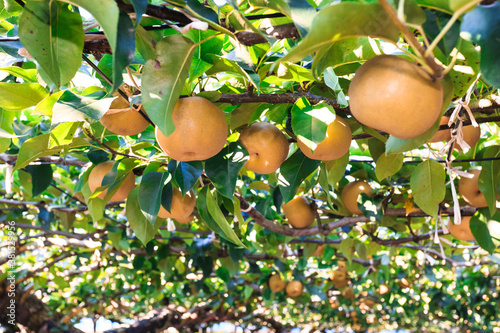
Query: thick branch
x=288 y=231
x=23 y=206
x=12 y=159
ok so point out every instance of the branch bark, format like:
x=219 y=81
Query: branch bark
x=12 y=159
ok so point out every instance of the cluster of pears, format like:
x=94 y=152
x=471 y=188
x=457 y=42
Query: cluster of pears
x=300 y=213
x=292 y=288
x=181 y=207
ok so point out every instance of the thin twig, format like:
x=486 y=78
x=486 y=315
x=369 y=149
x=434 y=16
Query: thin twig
x=410 y=38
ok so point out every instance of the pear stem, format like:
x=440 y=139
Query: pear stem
x=414 y=43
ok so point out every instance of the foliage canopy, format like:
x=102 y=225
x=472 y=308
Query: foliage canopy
x=286 y=62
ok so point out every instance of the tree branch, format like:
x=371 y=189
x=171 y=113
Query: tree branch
x=12 y=159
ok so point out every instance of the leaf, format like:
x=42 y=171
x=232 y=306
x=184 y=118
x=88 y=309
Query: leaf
x=143 y=230
x=428 y=186
x=221 y=64
x=344 y=52
x=388 y=165
x=41 y=177
x=149 y=194
x=434 y=24
x=45 y=106
x=344 y=20
x=118 y=29
x=185 y=174
x=481 y=233
x=72 y=108
x=34 y=148
x=63 y=134
x=481 y=26
x=300 y=11
x=20 y=96
x=223 y=274
x=488 y=178
x=144 y=42
x=28 y=75
x=164 y=78
x=54 y=36
x=309 y=122
x=336 y=170
x=213 y=217
x=139 y=9
x=293 y=172
x=223 y=168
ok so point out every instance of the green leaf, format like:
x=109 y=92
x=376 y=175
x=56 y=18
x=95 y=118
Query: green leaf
x=28 y=75
x=479 y=228
x=310 y=122
x=45 y=106
x=213 y=217
x=73 y=108
x=149 y=194
x=139 y=9
x=144 y=43
x=185 y=174
x=143 y=230
x=388 y=165
x=221 y=64
x=336 y=170
x=118 y=29
x=344 y=20
x=343 y=52
x=63 y=134
x=223 y=168
x=428 y=186
x=41 y=177
x=223 y=274
x=19 y=96
x=34 y=148
x=300 y=11
x=481 y=26
x=53 y=34
x=434 y=24
x=293 y=172
x=164 y=78
x=488 y=178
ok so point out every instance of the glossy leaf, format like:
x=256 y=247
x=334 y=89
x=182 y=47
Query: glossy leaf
x=73 y=108
x=185 y=174
x=149 y=194
x=388 y=165
x=428 y=186
x=139 y=9
x=293 y=172
x=143 y=230
x=118 y=29
x=15 y=96
x=53 y=35
x=213 y=217
x=481 y=26
x=41 y=177
x=479 y=228
x=344 y=20
x=336 y=170
x=28 y=75
x=223 y=168
x=488 y=178
x=63 y=134
x=309 y=122
x=300 y=11
x=163 y=79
